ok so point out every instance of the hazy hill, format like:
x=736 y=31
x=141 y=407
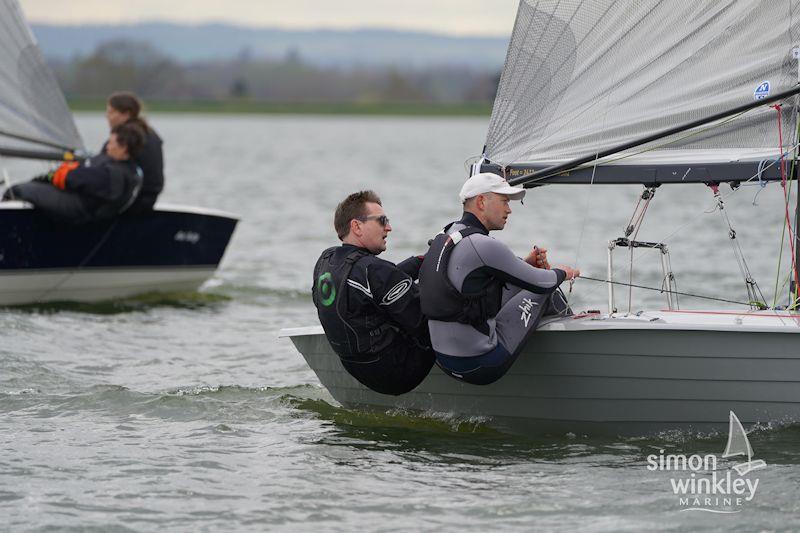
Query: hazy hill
x=322 y=47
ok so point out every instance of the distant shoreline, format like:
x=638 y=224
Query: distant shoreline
x=482 y=109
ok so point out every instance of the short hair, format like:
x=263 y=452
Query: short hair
x=131 y=136
x=354 y=206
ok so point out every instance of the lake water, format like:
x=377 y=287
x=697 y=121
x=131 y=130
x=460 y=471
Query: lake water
x=188 y=413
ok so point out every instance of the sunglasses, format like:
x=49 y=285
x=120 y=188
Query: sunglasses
x=381 y=219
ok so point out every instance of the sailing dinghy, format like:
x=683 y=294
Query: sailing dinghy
x=173 y=248
x=650 y=93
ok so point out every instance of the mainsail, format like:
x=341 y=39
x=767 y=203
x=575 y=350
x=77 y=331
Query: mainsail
x=581 y=77
x=33 y=112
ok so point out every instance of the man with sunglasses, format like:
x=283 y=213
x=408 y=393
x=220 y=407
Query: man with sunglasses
x=369 y=307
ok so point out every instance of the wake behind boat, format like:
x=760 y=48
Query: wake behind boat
x=697 y=94
x=171 y=248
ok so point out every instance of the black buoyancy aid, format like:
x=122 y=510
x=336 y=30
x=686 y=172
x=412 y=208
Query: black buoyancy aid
x=351 y=332
x=440 y=300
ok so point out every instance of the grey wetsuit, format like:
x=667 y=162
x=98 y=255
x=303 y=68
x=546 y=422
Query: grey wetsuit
x=525 y=297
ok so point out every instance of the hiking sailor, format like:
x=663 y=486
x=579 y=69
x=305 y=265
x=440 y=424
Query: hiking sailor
x=368 y=307
x=482 y=301
x=126 y=108
x=97 y=189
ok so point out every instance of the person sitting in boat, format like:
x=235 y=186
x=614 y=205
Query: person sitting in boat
x=125 y=107
x=368 y=307
x=97 y=189
x=482 y=301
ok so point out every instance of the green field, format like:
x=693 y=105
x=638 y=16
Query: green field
x=482 y=109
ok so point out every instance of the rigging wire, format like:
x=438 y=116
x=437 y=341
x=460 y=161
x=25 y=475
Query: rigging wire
x=787 y=196
x=725 y=195
x=645 y=287
x=753 y=290
x=777 y=107
x=634 y=225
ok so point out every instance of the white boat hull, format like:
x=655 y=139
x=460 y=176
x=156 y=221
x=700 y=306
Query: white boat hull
x=91 y=285
x=612 y=375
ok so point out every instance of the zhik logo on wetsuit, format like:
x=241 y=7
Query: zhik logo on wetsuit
x=326 y=288
x=526 y=307
x=396 y=292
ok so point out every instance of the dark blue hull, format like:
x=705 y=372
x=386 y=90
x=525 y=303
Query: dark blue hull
x=166 y=249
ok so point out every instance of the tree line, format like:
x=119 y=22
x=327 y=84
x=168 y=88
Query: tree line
x=137 y=66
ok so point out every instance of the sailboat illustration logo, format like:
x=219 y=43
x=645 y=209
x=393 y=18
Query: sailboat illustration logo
x=738 y=444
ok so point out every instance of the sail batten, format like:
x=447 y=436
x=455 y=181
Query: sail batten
x=33 y=110
x=580 y=78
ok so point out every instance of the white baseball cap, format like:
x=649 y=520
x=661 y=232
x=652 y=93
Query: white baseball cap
x=488 y=182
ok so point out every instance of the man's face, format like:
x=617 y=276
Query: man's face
x=115 y=150
x=496 y=208
x=373 y=234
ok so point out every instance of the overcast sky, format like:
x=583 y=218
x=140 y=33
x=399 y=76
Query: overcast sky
x=460 y=17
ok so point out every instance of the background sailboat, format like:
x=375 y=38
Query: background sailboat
x=173 y=248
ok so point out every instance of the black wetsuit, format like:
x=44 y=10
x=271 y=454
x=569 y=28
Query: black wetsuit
x=98 y=189
x=151 y=160
x=370 y=311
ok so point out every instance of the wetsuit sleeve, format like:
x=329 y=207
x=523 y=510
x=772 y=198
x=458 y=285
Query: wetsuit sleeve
x=91 y=181
x=411 y=266
x=396 y=294
x=505 y=266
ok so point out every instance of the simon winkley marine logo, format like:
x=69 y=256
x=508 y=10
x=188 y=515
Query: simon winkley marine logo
x=700 y=484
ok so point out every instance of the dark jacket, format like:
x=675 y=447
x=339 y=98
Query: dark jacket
x=106 y=187
x=151 y=160
x=368 y=305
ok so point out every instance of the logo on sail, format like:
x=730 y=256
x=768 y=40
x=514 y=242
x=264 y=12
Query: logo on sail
x=762 y=91
x=701 y=486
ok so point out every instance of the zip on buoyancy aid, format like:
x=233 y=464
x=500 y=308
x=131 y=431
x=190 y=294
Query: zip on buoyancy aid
x=349 y=335
x=440 y=300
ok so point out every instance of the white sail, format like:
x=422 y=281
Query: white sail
x=31 y=102
x=581 y=77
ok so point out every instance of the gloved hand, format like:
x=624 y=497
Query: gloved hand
x=58 y=177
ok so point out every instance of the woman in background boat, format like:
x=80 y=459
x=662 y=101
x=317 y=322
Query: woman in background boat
x=126 y=107
x=99 y=188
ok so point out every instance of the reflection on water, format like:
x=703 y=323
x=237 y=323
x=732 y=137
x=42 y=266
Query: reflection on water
x=142 y=302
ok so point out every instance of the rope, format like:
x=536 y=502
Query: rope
x=88 y=257
x=777 y=108
x=700 y=296
x=701 y=214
